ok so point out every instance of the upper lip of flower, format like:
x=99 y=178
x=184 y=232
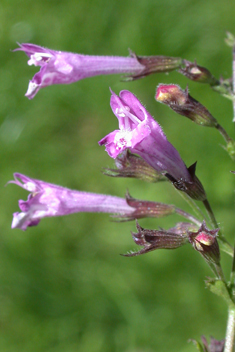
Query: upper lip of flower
x=142 y=134
x=37 y=54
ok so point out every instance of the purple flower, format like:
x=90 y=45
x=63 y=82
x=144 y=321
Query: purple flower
x=47 y=200
x=58 y=67
x=142 y=135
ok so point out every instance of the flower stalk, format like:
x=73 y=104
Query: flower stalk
x=230 y=331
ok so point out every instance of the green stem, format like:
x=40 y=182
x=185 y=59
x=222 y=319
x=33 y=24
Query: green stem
x=223 y=133
x=224 y=244
x=210 y=213
x=220 y=272
x=233 y=83
x=188 y=216
x=232 y=275
x=217 y=270
x=230 y=331
x=193 y=205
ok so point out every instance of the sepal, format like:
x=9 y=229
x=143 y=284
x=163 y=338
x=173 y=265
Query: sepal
x=173 y=238
x=193 y=188
x=146 y=209
x=131 y=165
x=154 y=64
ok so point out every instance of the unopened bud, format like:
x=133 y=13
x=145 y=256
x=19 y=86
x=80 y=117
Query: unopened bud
x=205 y=242
x=198 y=73
x=182 y=103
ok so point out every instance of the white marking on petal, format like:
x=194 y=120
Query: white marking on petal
x=32 y=88
x=30 y=186
x=18 y=220
x=37 y=57
x=123 y=139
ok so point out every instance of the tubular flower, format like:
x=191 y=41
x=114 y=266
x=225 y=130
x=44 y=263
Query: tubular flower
x=58 y=67
x=142 y=135
x=46 y=200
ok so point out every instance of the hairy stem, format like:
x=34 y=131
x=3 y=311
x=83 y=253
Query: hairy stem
x=193 y=205
x=230 y=331
x=223 y=132
x=233 y=83
x=188 y=216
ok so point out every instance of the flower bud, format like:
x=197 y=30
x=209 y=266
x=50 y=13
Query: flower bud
x=182 y=103
x=198 y=73
x=205 y=242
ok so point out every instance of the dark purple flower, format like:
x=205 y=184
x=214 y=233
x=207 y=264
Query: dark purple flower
x=142 y=135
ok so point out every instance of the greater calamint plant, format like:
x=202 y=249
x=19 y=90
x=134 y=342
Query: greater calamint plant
x=140 y=150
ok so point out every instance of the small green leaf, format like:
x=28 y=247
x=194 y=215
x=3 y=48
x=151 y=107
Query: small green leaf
x=198 y=345
x=230 y=39
x=219 y=288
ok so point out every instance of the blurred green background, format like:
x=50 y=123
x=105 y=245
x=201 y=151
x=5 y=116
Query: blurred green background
x=63 y=284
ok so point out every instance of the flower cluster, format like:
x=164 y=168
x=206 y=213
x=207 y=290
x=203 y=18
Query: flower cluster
x=139 y=146
x=140 y=150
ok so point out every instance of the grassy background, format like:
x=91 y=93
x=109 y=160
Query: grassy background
x=64 y=286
